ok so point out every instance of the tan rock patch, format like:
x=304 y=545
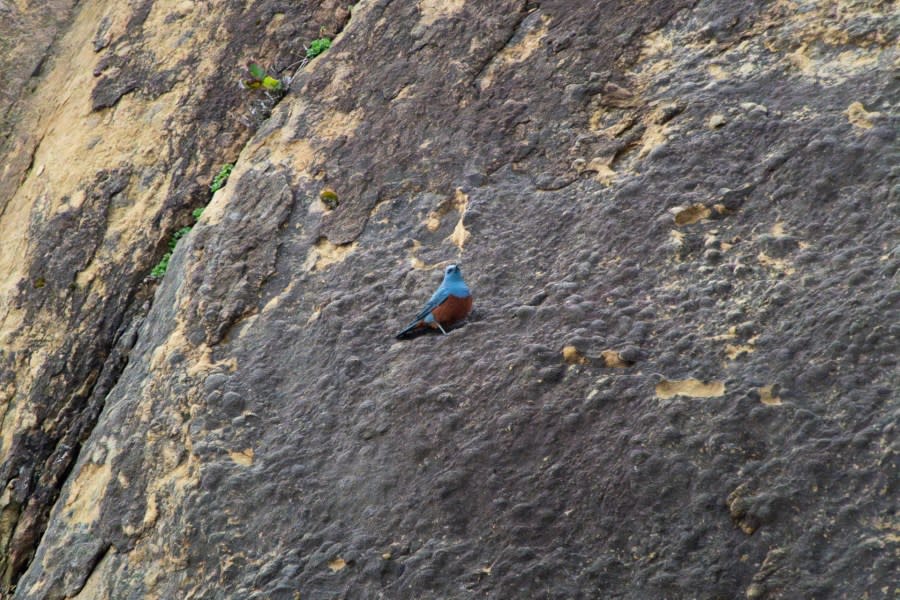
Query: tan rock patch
x=573 y=357
x=82 y=506
x=324 y=253
x=860 y=117
x=692 y=388
x=243 y=458
x=434 y=10
x=688 y=215
x=767 y=397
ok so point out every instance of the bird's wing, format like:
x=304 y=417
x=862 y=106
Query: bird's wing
x=436 y=300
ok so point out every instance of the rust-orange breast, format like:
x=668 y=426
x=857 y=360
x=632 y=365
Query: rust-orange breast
x=452 y=310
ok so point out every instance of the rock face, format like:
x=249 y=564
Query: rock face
x=678 y=220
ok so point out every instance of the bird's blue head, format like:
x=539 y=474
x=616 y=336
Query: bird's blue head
x=453 y=281
x=452 y=273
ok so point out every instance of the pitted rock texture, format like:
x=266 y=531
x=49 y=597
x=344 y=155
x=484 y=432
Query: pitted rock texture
x=678 y=220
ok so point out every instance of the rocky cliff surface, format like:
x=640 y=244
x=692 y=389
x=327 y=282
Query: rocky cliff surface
x=679 y=221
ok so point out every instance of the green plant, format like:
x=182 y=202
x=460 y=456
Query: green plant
x=218 y=181
x=162 y=266
x=160 y=269
x=317 y=47
x=178 y=235
x=256 y=77
x=329 y=198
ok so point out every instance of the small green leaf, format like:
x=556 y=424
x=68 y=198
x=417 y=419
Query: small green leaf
x=271 y=84
x=256 y=71
x=177 y=236
x=160 y=269
x=329 y=198
x=219 y=180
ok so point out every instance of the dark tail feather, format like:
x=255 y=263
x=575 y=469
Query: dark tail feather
x=408 y=330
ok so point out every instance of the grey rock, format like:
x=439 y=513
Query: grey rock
x=249 y=418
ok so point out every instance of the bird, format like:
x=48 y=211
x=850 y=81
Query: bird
x=450 y=304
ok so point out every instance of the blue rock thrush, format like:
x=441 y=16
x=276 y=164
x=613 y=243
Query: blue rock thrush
x=450 y=304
